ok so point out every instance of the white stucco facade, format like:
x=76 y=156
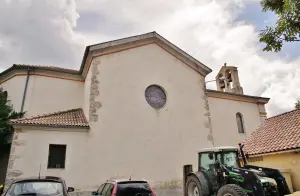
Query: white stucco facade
x=125 y=117
x=32 y=157
x=46 y=92
x=15 y=87
x=223 y=114
x=127 y=137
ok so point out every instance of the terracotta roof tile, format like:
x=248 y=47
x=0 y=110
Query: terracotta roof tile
x=277 y=133
x=54 y=68
x=68 y=118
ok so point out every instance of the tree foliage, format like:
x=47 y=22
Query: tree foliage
x=287 y=28
x=297 y=104
x=6 y=113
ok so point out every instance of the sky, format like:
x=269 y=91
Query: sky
x=56 y=32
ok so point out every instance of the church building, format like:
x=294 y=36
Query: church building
x=138 y=107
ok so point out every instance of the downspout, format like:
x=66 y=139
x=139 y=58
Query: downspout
x=25 y=90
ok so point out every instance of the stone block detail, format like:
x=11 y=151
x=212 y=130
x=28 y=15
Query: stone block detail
x=18 y=143
x=94 y=117
x=14 y=157
x=207 y=114
x=210 y=138
x=94 y=92
x=12 y=150
x=10 y=164
x=12 y=172
x=172 y=184
x=8 y=182
x=207 y=123
x=16 y=136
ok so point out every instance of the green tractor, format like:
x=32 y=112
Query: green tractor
x=221 y=173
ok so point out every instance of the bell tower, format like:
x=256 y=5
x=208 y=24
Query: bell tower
x=228 y=80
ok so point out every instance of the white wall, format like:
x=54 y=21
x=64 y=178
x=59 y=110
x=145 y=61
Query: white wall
x=44 y=94
x=223 y=114
x=15 y=88
x=35 y=152
x=132 y=138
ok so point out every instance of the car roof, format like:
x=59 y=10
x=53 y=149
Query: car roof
x=41 y=178
x=126 y=180
x=218 y=149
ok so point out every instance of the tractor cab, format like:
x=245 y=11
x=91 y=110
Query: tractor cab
x=212 y=162
x=210 y=158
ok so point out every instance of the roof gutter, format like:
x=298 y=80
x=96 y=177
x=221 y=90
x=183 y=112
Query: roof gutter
x=275 y=153
x=20 y=125
x=25 y=90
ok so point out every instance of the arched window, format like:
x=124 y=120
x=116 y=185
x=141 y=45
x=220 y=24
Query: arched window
x=240 y=123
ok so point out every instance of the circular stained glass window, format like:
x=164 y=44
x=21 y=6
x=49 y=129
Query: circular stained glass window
x=155 y=96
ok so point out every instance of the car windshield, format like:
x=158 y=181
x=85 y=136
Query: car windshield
x=230 y=159
x=35 y=188
x=134 y=189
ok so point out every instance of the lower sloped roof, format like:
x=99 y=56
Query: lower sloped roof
x=278 y=133
x=64 y=119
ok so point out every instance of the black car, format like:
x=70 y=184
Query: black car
x=124 y=188
x=39 y=186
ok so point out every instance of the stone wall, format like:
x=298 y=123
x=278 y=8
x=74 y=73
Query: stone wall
x=208 y=123
x=12 y=171
x=94 y=92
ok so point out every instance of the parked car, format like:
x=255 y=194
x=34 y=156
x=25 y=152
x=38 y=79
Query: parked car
x=125 y=188
x=37 y=186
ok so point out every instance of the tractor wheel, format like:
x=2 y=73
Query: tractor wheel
x=193 y=187
x=231 y=190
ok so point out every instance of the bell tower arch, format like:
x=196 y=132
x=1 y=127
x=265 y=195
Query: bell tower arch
x=228 y=80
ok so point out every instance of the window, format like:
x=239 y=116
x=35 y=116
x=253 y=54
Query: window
x=134 y=188
x=230 y=159
x=109 y=190
x=155 y=96
x=240 y=123
x=57 y=156
x=100 y=188
x=107 y=186
x=206 y=162
x=36 y=188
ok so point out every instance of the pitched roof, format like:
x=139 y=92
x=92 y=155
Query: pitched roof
x=278 y=133
x=64 y=119
x=154 y=36
x=40 y=67
x=55 y=68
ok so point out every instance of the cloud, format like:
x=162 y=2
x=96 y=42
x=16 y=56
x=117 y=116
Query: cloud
x=210 y=30
x=39 y=32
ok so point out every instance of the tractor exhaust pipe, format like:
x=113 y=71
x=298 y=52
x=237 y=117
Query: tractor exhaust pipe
x=242 y=153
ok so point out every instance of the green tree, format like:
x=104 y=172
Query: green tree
x=287 y=28
x=6 y=113
x=297 y=104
